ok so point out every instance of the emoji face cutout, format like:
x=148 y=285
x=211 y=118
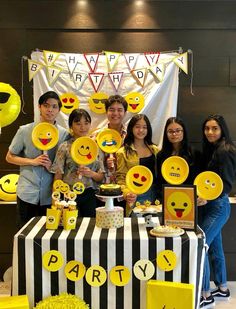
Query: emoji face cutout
x=179 y=204
x=45 y=136
x=8 y=185
x=175 y=170
x=56 y=184
x=56 y=195
x=209 y=185
x=64 y=188
x=97 y=102
x=84 y=150
x=109 y=140
x=69 y=102
x=139 y=179
x=78 y=187
x=9 y=104
x=135 y=102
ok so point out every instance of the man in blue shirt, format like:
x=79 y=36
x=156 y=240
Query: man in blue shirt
x=34 y=187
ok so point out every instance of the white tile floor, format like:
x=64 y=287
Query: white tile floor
x=231 y=303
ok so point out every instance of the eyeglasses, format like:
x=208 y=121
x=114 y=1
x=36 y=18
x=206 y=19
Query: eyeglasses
x=177 y=131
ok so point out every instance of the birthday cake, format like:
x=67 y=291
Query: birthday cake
x=109 y=218
x=110 y=189
x=167 y=231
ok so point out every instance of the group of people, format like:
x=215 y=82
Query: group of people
x=37 y=170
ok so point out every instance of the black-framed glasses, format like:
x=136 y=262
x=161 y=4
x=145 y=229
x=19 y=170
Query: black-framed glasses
x=177 y=131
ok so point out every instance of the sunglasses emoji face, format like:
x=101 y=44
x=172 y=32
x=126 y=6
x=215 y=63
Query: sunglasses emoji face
x=69 y=102
x=97 y=102
x=139 y=179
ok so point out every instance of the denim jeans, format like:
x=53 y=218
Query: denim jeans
x=212 y=218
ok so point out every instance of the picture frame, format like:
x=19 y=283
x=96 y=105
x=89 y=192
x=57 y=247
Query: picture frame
x=180 y=206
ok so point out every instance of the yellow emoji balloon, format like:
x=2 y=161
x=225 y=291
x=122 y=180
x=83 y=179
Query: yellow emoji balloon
x=135 y=101
x=109 y=140
x=209 y=185
x=97 y=102
x=179 y=204
x=139 y=179
x=175 y=170
x=69 y=102
x=45 y=136
x=8 y=185
x=84 y=150
x=9 y=104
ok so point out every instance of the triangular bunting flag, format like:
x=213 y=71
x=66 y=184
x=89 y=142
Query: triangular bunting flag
x=71 y=60
x=140 y=75
x=96 y=79
x=182 y=62
x=116 y=78
x=152 y=58
x=131 y=60
x=52 y=74
x=50 y=57
x=92 y=60
x=158 y=70
x=79 y=79
x=33 y=68
x=112 y=58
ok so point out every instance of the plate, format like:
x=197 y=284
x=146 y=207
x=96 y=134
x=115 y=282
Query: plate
x=149 y=209
x=177 y=233
x=139 y=179
x=109 y=140
x=84 y=150
x=209 y=185
x=175 y=170
x=45 y=136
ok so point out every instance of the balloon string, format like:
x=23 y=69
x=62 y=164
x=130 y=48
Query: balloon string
x=22 y=83
x=191 y=70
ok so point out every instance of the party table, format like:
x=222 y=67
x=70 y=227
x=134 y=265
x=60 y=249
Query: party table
x=105 y=247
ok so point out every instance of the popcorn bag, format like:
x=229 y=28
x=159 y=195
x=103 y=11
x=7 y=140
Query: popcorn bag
x=53 y=218
x=69 y=219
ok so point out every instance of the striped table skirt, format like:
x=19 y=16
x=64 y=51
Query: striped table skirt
x=105 y=247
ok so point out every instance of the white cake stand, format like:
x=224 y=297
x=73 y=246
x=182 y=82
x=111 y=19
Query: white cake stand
x=109 y=200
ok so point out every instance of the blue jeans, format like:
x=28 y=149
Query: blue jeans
x=212 y=218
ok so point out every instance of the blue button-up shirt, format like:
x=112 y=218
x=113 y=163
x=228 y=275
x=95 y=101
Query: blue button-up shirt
x=35 y=182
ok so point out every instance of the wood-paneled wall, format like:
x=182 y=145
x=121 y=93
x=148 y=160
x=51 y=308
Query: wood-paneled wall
x=208 y=28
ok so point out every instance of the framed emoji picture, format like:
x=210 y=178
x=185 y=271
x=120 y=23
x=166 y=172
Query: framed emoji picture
x=180 y=206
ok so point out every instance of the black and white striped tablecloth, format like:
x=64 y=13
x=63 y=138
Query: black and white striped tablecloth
x=107 y=248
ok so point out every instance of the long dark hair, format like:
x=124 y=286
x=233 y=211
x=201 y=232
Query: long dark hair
x=129 y=139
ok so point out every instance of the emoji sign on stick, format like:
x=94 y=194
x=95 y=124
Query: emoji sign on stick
x=84 y=150
x=139 y=179
x=45 y=136
x=209 y=185
x=175 y=170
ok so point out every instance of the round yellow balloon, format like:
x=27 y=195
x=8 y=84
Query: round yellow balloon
x=139 y=179
x=175 y=170
x=10 y=104
x=69 y=102
x=135 y=101
x=166 y=260
x=45 y=136
x=84 y=150
x=179 y=204
x=97 y=102
x=8 y=185
x=109 y=140
x=209 y=185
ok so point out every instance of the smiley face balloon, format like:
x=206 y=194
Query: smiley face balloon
x=10 y=104
x=209 y=185
x=135 y=102
x=175 y=170
x=84 y=150
x=139 y=179
x=45 y=136
x=179 y=204
x=8 y=185
x=69 y=102
x=109 y=140
x=97 y=102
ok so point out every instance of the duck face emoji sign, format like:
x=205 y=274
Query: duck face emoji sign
x=135 y=101
x=8 y=185
x=84 y=150
x=209 y=185
x=69 y=102
x=139 y=179
x=97 y=102
x=175 y=170
x=45 y=136
x=109 y=140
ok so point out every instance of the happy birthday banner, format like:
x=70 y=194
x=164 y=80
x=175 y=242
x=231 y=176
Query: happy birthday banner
x=152 y=75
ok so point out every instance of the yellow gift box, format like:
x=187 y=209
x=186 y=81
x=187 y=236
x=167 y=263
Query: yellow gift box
x=53 y=218
x=14 y=302
x=164 y=294
x=69 y=219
